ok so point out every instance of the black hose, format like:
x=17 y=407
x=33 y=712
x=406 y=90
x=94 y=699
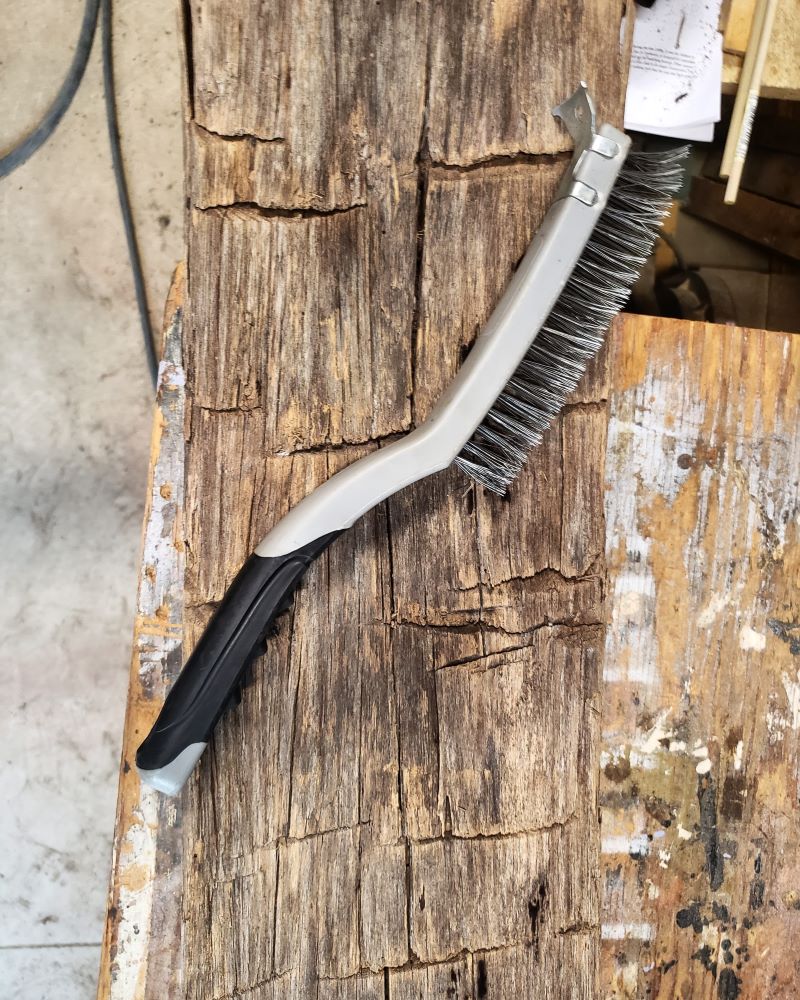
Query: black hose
x=22 y=152
x=19 y=154
x=122 y=193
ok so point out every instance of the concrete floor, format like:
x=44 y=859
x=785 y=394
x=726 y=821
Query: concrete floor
x=75 y=426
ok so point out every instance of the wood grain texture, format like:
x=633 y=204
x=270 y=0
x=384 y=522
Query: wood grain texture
x=379 y=817
x=497 y=70
x=699 y=743
x=781 y=79
x=398 y=741
x=405 y=804
x=301 y=106
x=700 y=729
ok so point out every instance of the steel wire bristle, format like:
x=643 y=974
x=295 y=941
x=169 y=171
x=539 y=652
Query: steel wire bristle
x=571 y=335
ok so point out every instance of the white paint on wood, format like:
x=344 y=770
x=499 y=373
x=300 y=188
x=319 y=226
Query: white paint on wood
x=620 y=931
x=711 y=611
x=702 y=525
x=619 y=844
x=137 y=864
x=792 y=689
x=750 y=639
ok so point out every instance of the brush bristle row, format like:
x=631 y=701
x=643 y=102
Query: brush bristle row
x=597 y=289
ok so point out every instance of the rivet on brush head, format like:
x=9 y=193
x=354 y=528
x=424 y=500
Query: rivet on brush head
x=607 y=148
x=583 y=193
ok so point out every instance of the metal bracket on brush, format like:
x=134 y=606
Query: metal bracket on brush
x=579 y=118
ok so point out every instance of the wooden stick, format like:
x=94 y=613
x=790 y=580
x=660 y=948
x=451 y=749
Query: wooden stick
x=743 y=138
x=742 y=89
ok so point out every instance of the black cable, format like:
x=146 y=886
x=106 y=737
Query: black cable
x=19 y=154
x=669 y=239
x=122 y=192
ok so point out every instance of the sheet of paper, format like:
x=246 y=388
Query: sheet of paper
x=692 y=133
x=676 y=68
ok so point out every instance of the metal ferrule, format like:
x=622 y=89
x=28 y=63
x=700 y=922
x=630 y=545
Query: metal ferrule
x=530 y=296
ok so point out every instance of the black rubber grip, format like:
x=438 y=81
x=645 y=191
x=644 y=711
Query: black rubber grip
x=213 y=674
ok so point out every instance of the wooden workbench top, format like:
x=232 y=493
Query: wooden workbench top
x=700 y=720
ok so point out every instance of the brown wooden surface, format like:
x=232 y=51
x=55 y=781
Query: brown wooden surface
x=703 y=558
x=782 y=71
x=358 y=202
x=363 y=179
x=772 y=224
x=141 y=956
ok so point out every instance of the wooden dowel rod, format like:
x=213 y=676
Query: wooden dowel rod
x=745 y=76
x=743 y=138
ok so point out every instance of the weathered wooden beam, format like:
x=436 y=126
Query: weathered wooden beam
x=407 y=792
x=772 y=224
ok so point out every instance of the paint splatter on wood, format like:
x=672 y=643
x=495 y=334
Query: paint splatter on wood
x=701 y=694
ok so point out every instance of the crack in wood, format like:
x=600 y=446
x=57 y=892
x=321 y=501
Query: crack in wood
x=399 y=744
x=481 y=570
x=273 y=958
x=293 y=733
x=580 y=927
x=481 y=979
x=598 y=405
x=472 y=838
x=252 y=209
x=478 y=657
x=547 y=579
x=411 y=965
x=566 y=624
x=441 y=168
x=322 y=448
x=422 y=197
x=409 y=900
x=185 y=8
x=331 y=447
x=536 y=904
x=222 y=410
x=238 y=136
x=435 y=730
x=421 y=163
